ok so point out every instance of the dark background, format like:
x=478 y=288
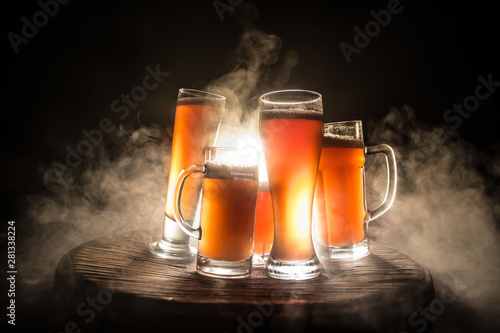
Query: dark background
x=65 y=78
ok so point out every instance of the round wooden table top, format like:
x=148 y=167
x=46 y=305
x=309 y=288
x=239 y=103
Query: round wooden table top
x=375 y=293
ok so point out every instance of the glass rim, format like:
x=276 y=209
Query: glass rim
x=202 y=93
x=317 y=95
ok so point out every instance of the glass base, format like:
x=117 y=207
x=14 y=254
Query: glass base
x=172 y=250
x=299 y=270
x=349 y=252
x=259 y=260
x=174 y=243
x=223 y=269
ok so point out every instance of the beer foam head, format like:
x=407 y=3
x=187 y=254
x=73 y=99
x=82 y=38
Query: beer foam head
x=232 y=164
x=341 y=141
x=235 y=158
x=201 y=101
x=295 y=113
x=345 y=130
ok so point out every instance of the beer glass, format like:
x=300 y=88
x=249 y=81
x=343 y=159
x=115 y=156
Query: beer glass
x=227 y=216
x=291 y=130
x=197 y=119
x=341 y=217
x=264 y=225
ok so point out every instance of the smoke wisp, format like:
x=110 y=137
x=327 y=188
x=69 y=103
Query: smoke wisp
x=121 y=185
x=257 y=66
x=445 y=214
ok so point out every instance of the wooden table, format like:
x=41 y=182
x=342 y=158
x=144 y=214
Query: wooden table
x=132 y=288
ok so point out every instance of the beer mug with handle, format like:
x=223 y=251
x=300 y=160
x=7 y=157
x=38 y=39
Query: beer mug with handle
x=341 y=217
x=227 y=216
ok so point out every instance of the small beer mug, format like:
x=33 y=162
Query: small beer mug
x=340 y=211
x=227 y=216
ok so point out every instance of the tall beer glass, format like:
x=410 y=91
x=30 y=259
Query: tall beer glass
x=197 y=119
x=291 y=130
x=341 y=216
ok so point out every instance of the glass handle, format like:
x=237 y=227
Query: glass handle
x=179 y=185
x=392 y=179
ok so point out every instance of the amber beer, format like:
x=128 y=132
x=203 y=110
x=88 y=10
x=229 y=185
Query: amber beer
x=292 y=143
x=264 y=225
x=341 y=216
x=196 y=123
x=228 y=212
x=339 y=203
x=197 y=120
x=227 y=215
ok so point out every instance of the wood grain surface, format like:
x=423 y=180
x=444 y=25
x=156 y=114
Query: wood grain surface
x=141 y=291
